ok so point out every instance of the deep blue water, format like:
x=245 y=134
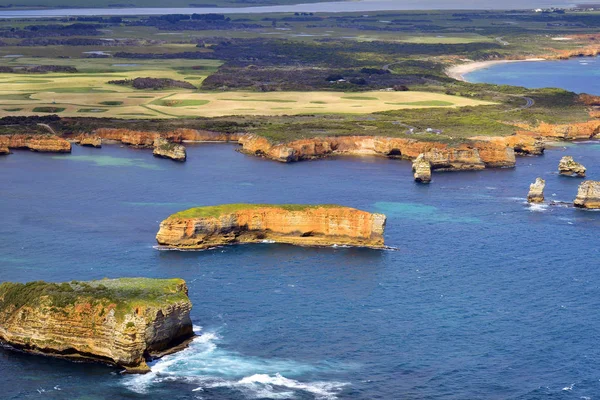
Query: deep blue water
x=486 y=298
x=580 y=75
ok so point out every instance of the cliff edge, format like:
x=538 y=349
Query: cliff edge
x=307 y=225
x=116 y=321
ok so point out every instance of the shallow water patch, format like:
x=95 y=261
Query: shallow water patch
x=421 y=212
x=110 y=161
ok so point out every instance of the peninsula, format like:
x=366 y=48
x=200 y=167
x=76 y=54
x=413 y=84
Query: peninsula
x=121 y=322
x=305 y=225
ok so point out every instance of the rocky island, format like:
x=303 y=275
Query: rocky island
x=536 y=191
x=121 y=322
x=569 y=167
x=165 y=149
x=306 y=225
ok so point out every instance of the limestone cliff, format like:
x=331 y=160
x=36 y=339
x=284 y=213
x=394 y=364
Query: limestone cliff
x=90 y=141
x=569 y=167
x=536 y=191
x=165 y=149
x=474 y=155
x=4 y=150
x=41 y=143
x=422 y=169
x=147 y=138
x=588 y=195
x=115 y=321
x=318 y=225
x=581 y=130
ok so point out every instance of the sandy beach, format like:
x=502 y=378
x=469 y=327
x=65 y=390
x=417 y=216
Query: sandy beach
x=458 y=72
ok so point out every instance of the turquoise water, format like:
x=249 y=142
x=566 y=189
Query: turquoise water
x=580 y=75
x=485 y=298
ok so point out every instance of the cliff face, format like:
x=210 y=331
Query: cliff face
x=41 y=143
x=536 y=191
x=116 y=321
x=4 y=150
x=582 y=130
x=165 y=149
x=319 y=225
x=474 y=155
x=147 y=138
x=588 y=195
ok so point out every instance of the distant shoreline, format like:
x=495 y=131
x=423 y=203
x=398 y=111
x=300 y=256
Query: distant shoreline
x=458 y=72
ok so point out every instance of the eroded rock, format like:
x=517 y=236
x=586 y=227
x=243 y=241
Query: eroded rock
x=90 y=141
x=568 y=167
x=588 y=195
x=536 y=191
x=165 y=149
x=422 y=169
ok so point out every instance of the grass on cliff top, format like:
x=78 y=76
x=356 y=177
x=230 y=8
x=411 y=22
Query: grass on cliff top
x=125 y=293
x=216 y=211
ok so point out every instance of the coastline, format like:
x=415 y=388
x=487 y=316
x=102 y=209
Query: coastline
x=459 y=71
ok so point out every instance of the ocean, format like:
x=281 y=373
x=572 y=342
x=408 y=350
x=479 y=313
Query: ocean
x=483 y=296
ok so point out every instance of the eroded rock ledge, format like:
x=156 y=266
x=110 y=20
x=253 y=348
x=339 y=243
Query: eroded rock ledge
x=475 y=154
x=588 y=195
x=307 y=225
x=116 y=321
x=165 y=149
x=41 y=143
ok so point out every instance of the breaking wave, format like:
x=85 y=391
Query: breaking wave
x=205 y=366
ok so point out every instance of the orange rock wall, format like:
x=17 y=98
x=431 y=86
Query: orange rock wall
x=41 y=143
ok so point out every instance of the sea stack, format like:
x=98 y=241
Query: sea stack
x=165 y=149
x=568 y=167
x=588 y=195
x=536 y=191
x=304 y=225
x=90 y=141
x=422 y=169
x=113 y=321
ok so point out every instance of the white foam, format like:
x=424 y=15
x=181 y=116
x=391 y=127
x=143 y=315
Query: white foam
x=205 y=365
x=568 y=388
x=537 y=207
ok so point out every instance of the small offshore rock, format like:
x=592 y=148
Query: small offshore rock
x=422 y=169
x=90 y=141
x=568 y=167
x=588 y=195
x=536 y=191
x=164 y=148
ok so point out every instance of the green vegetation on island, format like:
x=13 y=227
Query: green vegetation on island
x=224 y=209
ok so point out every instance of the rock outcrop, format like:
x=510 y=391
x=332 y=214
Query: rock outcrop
x=116 y=321
x=474 y=155
x=4 y=150
x=41 y=143
x=536 y=191
x=165 y=149
x=90 y=141
x=581 y=130
x=422 y=169
x=568 y=167
x=307 y=225
x=588 y=195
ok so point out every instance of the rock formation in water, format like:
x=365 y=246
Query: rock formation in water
x=568 y=167
x=41 y=143
x=474 y=155
x=588 y=195
x=536 y=191
x=165 y=149
x=90 y=141
x=4 y=150
x=116 y=321
x=307 y=225
x=422 y=169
